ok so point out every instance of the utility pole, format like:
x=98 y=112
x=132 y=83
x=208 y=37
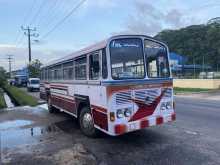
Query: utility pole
x=9 y=58
x=29 y=32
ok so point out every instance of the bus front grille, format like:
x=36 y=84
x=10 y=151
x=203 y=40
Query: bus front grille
x=145 y=95
x=123 y=97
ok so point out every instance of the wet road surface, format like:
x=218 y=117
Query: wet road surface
x=33 y=136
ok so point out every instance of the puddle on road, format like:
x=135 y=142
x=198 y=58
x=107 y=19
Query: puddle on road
x=15 y=137
x=14 y=124
x=43 y=106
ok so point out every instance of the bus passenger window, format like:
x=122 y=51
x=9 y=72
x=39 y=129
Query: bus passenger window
x=94 y=67
x=80 y=68
x=68 y=70
x=104 y=65
x=50 y=74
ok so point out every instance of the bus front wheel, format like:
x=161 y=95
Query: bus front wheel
x=86 y=123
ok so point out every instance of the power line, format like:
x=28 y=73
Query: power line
x=62 y=20
x=48 y=13
x=54 y=16
x=20 y=36
x=37 y=13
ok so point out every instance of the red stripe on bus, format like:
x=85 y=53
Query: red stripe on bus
x=114 y=89
x=64 y=104
x=145 y=110
x=59 y=86
x=65 y=89
x=99 y=108
x=100 y=119
x=64 y=98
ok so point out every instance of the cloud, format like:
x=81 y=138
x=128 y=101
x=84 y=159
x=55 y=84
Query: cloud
x=20 y=55
x=7 y=46
x=149 y=19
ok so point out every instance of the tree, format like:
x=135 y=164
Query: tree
x=34 y=68
x=3 y=76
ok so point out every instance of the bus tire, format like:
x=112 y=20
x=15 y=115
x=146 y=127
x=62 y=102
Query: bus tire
x=86 y=123
x=51 y=108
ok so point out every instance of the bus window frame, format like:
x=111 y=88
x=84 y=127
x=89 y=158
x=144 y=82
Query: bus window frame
x=98 y=52
x=104 y=53
x=74 y=64
x=167 y=58
x=110 y=62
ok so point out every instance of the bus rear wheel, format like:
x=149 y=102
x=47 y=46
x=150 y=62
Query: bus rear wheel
x=51 y=108
x=86 y=123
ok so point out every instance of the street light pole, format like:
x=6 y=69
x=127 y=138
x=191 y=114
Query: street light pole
x=9 y=64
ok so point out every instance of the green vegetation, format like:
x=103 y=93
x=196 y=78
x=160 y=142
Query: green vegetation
x=34 y=68
x=2 y=100
x=195 y=42
x=189 y=90
x=19 y=96
x=3 y=76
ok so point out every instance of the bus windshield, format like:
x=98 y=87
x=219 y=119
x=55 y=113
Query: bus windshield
x=156 y=59
x=127 y=58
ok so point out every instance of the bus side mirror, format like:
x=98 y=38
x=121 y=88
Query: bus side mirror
x=95 y=66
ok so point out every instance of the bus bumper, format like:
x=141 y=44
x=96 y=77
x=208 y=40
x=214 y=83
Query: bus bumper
x=120 y=129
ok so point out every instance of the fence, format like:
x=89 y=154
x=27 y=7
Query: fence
x=197 y=83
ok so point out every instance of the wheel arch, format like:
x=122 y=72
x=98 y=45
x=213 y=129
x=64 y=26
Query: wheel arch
x=81 y=101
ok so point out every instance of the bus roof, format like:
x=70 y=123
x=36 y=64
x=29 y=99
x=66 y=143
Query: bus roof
x=91 y=48
x=86 y=50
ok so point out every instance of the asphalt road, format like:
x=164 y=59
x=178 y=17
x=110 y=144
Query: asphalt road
x=33 y=136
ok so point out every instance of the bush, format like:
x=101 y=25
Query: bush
x=20 y=97
x=2 y=100
x=189 y=90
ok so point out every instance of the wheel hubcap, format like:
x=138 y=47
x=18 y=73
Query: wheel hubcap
x=87 y=121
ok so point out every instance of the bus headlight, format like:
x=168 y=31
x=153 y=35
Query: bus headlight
x=168 y=105
x=163 y=106
x=127 y=112
x=120 y=113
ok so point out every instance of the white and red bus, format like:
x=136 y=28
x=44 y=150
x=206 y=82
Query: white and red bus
x=119 y=85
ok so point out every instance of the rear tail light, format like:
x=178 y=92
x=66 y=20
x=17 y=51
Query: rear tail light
x=144 y=124
x=120 y=129
x=159 y=120
x=173 y=116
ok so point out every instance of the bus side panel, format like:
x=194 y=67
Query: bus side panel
x=97 y=102
x=62 y=98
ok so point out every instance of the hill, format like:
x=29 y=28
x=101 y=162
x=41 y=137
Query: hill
x=196 y=42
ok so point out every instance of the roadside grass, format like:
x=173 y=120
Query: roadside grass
x=19 y=96
x=178 y=90
x=2 y=100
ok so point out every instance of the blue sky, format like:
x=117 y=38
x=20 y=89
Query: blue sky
x=93 y=21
